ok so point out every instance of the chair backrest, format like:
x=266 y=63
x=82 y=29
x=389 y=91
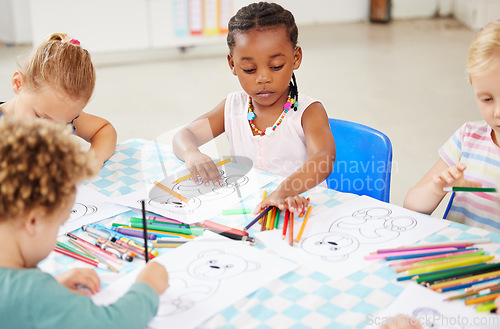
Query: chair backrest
x=363 y=160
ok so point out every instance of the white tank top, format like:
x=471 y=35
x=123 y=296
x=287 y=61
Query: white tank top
x=280 y=153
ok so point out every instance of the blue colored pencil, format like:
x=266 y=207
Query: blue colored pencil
x=427 y=254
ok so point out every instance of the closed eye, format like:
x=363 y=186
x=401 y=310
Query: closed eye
x=249 y=71
x=277 y=68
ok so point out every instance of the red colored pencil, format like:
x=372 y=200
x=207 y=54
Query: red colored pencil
x=290 y=228
x=79 y=257
x=285 y=223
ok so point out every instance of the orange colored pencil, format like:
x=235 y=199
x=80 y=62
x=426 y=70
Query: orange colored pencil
x=172 y=192
x=290 y=228
x=270 y=223
x=309 y=210
x=481 y=299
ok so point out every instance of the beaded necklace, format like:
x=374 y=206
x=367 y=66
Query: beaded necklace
x=270 y=130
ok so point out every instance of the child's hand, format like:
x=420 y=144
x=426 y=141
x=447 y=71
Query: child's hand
x=80 y=277
x=401 y=322
x=454 y=176
x=293 y=203
x=155 y=275
x=497 y=304
x=201 y=164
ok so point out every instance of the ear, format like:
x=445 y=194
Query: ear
x=230 y=61
x=32 y=221
x=297 y=58
x=17 y=82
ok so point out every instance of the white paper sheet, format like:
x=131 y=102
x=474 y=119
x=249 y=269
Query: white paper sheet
x=90 y=206
x=428 y=307
x=205 y=202
x=335 y=241
x=205 y=276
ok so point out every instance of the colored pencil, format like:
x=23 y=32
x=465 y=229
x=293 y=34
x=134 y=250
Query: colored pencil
x=259 y=216
x=419 y=259
x=264 y=195
x=285 y=223
x=457 y=271
x=482 y=286
x=79 y=257
x=167 y=244
x=277 y=219
x=95 y=249
x=482 y=299
x=165 y=219
x=273 y=219
x=145 y=229
x=290 y=228
x=447 y=273
x=188 y=176
x=473 y=293
x=65 y=246
x=436 y=261
x=406 y=253
x=223 y=228
x=304 y=222
x=90 y=253
x=423 y=254
x=158 y=233
x=462 y=286
x=169 y=229
x=468 y=189
x=457 y=244
x=269 y=218
x=137 y=234
x=473 y=278
x=172 y=192
x=453 y=264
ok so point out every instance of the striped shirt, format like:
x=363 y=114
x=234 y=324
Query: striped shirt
x=472 y=145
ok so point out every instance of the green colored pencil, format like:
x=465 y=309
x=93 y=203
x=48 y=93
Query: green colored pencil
x=468 y=189
x=277 y=219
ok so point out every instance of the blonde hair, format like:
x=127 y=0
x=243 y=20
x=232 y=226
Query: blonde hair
x=61 y=63
x=484 y=52
x=40 y=165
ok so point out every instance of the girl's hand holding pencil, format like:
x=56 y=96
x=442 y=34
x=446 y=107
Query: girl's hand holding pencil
x=453 y=176
x=201 y=165
x=283 y=200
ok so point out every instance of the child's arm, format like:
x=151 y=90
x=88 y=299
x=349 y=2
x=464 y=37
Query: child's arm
x=426 y=195
x=155 y=275
x=99 y=132
x=321 y=148
x=187 y=141
x=80 y=277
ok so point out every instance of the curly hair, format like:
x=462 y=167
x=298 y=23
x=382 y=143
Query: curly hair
x=261 y=15
x=484 y=52
x=61 y=63
x=40 y=165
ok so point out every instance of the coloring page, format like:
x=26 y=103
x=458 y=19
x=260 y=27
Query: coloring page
x=205 y=276
x=90 y=206
x=203 y=202
x=431 y=311
x=335 y=241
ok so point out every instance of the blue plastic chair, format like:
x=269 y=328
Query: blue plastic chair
x=363 y=160
x=448 y=207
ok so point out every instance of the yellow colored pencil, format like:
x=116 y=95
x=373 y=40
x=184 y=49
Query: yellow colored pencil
x=264 y=195
x=304 y=223
x=188 y=176
x=469 y=279
x=172 y=192
x=462 y=262
x=269 y=218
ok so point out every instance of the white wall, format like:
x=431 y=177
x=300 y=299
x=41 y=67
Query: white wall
x=476 y=13
x=15 y=22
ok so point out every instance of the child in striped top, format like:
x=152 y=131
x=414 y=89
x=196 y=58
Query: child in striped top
x=471 y=157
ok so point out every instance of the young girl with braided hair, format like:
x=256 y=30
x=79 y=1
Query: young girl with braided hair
x=40 y=166
x=283 y=131
x=56 y=83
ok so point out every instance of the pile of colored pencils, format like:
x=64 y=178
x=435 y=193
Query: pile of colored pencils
x=446 y=267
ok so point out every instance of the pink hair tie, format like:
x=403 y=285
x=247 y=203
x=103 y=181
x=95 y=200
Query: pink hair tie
x=74 y=42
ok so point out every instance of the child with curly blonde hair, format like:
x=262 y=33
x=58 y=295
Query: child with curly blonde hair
x=40 y=166
x=56 y=83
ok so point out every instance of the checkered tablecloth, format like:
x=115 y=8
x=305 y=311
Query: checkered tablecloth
x=300 y=299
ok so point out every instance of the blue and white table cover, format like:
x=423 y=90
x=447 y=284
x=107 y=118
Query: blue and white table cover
x=303 y=298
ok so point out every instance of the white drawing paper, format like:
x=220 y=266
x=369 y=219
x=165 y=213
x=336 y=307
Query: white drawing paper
x=431 y=311
x=90 y=206
x=205 y=276
x=335 y=241
x=205 y=202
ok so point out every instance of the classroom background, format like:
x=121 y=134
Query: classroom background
x=157 y=70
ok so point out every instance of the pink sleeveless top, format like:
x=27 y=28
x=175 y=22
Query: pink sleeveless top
x=280 y=153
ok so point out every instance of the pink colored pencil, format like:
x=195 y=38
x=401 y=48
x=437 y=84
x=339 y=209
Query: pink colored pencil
x=419 y=259
x=403 y=253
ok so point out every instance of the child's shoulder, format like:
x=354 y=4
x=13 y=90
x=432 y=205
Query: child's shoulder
x=474 y=127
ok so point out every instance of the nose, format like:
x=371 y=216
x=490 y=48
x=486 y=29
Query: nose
x=263 y=76
x=497 y=110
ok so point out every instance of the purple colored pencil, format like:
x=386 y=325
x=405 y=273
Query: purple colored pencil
x=135 y=233
x=258 y=217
